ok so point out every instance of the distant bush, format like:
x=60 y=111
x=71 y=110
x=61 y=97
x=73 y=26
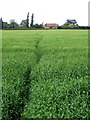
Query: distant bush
x=71 y=26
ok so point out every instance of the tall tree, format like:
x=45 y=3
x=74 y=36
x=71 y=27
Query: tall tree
x=28 y=20
x=32 y=20
x=1 y=23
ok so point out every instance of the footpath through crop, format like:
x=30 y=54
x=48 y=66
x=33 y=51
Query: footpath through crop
x=45 y=74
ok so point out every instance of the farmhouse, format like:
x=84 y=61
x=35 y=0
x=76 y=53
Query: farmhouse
x=50 y=25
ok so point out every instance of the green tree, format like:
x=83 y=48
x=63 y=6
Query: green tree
x=23 y=23
x=38 y=25
x=71 y=21
x=32 y=20
x=6 y=25
x=1 y=23
x=13 y=24
x=28 y=20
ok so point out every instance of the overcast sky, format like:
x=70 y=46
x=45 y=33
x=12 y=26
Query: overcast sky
x=47 y=11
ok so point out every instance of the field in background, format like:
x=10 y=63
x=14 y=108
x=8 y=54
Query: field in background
x=45 y=74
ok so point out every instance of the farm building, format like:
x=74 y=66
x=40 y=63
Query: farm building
x=50 y=25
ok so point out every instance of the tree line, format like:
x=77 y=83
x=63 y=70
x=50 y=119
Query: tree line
x=69 y=24
x=23 y=25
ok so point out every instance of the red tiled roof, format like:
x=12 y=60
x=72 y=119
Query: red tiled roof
x=51 y=25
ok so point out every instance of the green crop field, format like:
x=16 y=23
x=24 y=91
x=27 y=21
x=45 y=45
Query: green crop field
x=45 y=74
